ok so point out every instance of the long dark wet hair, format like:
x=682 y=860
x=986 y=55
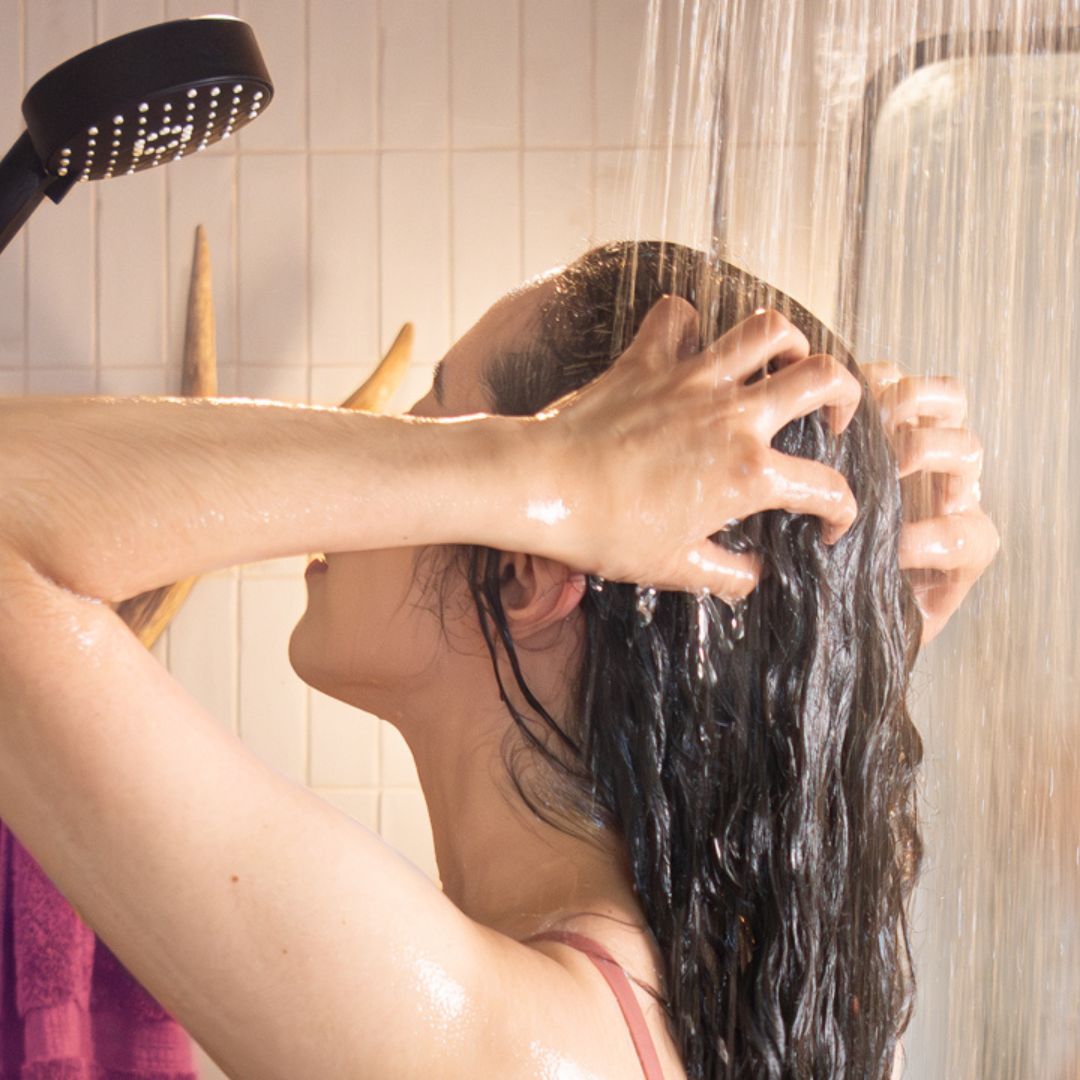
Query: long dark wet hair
x=763 y=778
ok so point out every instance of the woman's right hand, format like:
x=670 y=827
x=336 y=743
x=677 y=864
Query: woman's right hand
x=671 y=445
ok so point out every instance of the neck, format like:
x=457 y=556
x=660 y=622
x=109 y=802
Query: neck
x=498 y=862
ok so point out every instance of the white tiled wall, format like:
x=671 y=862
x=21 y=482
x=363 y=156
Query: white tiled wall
x=419 y=158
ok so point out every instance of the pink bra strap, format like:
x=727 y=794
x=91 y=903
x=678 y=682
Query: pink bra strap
x=617 y=980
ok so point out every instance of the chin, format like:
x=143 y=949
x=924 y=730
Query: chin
x=303 y=652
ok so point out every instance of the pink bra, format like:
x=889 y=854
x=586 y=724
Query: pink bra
x=617 y=980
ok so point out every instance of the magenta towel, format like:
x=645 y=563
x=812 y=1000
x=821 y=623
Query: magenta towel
x=69 y=1010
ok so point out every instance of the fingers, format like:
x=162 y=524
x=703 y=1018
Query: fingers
x=955 y=452
x=880 y=374
x=749 y=345
x=725 y=574
x=964 y=542
x=934 y=397
x=800 y=388
x=942 y=450
x=802 y=486
x=669 y=332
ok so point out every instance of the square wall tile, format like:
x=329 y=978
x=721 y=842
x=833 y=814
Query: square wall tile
x=60 y=321
x=486 y=231
x=203 y=646
x=13 y=258
x=620 y=39
x=191 y=9
x=273 y=699
x=11 y=65
x=415 y=74
x=342 y=74
x=558 y=81
x=61 y=381
x=397 y=767
x=558 y=207
x=12 y=382
x=344 y=744
x=273 y=383
x=55 y=32
x=129 y=382
x=280 y=28
x=116 y=17
x=344 y=260
x=652 y=194
x=485 y=73
x=131 y=269
x=273 y=254
x=405 y=825
x=415 y=251
x=13 y=310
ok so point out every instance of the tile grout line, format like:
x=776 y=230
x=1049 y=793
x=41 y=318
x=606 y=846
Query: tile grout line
x=378 y=181
x=95 y=242
x=594 y=86
x=521 y=138
x=451 y=313
x=310 y=329
x=26 y=236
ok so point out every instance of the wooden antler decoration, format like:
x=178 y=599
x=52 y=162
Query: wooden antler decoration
x=149 y=613
x=374 y=394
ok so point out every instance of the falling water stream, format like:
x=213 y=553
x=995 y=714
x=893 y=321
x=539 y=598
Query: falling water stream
x=911 y=172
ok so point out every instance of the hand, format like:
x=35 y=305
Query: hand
x=946 y=541
x=671 y=445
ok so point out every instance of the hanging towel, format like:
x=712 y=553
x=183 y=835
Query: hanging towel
x=69 y=1010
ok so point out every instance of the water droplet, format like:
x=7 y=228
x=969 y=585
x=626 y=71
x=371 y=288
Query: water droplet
x=596 y=583
x=646 y=604
x=737 y=620
x=705 y=669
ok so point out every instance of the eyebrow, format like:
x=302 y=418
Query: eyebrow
x=437 y=383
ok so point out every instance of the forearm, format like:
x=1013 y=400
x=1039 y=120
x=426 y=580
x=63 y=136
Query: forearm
x=111 y=497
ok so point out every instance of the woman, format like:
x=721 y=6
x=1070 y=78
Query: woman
x=289 y=940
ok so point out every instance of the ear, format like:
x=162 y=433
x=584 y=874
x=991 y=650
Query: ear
x=537 y=592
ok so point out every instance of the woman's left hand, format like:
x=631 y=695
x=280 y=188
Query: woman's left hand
x=946 y=540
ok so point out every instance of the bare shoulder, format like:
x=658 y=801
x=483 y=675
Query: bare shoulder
x=561 y=1017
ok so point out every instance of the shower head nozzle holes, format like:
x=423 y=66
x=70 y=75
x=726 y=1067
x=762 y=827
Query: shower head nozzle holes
x=158 y=84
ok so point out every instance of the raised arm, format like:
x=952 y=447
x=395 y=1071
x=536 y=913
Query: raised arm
x=110 y=497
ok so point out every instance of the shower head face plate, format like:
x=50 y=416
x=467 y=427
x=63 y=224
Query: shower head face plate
x=147 y=98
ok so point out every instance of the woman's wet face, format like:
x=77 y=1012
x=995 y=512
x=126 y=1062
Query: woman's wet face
x=371 y=633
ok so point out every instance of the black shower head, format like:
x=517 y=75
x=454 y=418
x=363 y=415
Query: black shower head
x=132 y=103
